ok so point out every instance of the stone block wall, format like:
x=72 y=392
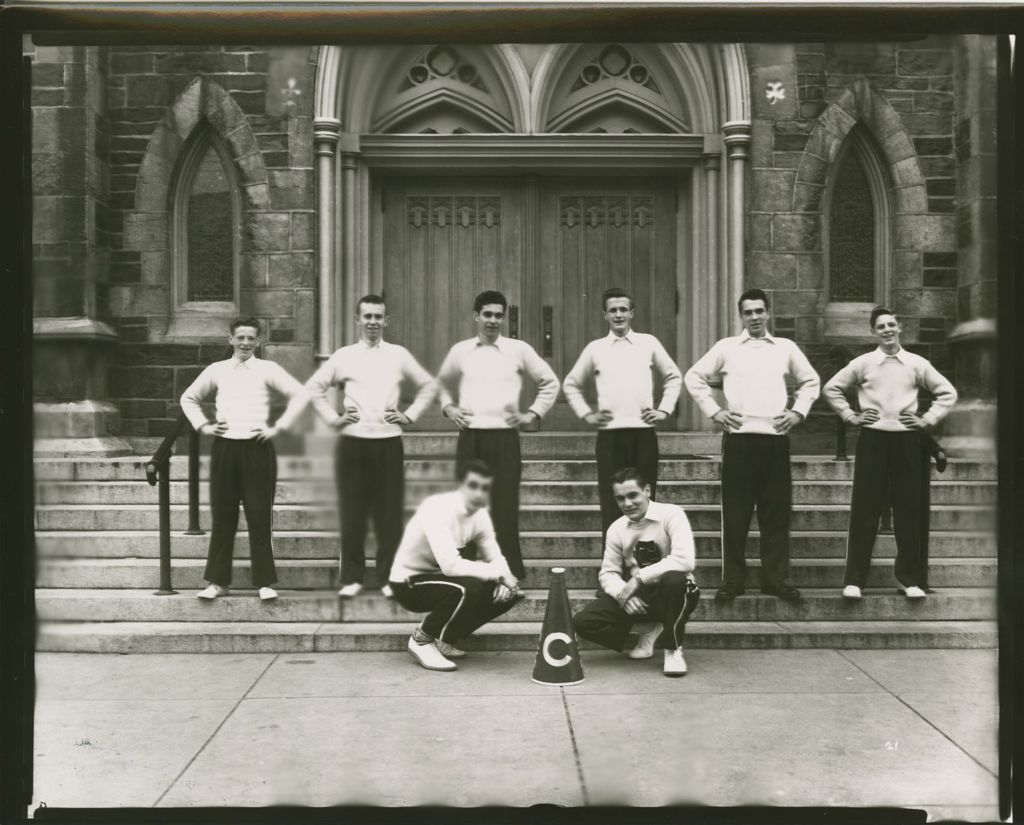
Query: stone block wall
x=156 y=96
x=904 y=95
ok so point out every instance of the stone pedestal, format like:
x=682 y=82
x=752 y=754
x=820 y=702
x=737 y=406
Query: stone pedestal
x=71 y=416
x=969 y=431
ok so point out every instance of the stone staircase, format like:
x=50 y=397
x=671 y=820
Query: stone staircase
x=98 y=554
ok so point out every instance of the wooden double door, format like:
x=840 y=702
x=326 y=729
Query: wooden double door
x=552 y=245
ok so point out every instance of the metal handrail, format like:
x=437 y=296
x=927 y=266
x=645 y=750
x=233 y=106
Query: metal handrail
x=158 y=473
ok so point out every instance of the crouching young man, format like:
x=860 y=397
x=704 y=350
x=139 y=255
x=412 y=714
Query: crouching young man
x=646 y=577
x=436 y=570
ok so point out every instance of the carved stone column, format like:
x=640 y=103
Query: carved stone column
x=713 y=309
x=348 y=280
x=737 y=142
x=325 y=137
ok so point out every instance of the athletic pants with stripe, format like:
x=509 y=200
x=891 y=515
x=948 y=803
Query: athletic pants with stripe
x=242 y=471
x=755 y=473
x=455 y=606
x=619 y=448
x=370 y=474
x=670 y=601
x=499 y=449
x=888 y=462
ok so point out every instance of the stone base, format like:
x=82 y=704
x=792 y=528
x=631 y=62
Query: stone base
x=969 y=431
x=70 y=428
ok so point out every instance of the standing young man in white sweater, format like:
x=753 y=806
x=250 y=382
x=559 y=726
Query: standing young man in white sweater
x=481 y=380
x=756 y=471
x=891 y=452
x=243 y=462
x=622 y=364
x=369 y=460
x=449 y=565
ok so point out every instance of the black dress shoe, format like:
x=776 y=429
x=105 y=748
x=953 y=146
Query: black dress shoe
x=728 y=592
x=940 y=461
x=782 y=591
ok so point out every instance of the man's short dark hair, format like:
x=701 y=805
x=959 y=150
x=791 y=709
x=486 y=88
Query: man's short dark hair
x=615 y=292
x=625 y=474
x=245 y=322
x=372 y=298
x=490 y=296
x=473 y=465
x=754 y=294
x=878 y=312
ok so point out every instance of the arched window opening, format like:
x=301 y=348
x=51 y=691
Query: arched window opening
x=858 y=224
x=205 y=214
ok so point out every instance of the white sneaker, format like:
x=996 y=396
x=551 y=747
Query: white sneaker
x=851 y=591
x=912 y=592
x=644 y=647
x=267 y=593
x=675 y=664
x=451 y=651
x=387 y=592
x=212 y=592
x=429 y=656
x=350 y=591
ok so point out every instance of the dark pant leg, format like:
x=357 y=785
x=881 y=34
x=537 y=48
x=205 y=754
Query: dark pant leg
x=456 y=606
x=225 y=494
x=352 y=474
x=259 y=483
x=907 y=465
x=739 y=495
x=619 y=448
x=774 y=507
x=501 y=452
x=604 y=622
x=388 y=503
x=870 y=490
x=927 y=452
x=671 y=601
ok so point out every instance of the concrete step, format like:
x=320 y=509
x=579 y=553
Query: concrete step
x=531 y=492
x=804 y=468
x=275 y=637
x=296 y=544
x=322 y=574
x=949 y=604
x=532 y=517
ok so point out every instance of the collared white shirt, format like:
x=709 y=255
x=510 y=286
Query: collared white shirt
x=489 y=380
x=371 y=378
x=623 y=369
x=441 y=526
x=753 y=372
x=243 y=395
x=890 y=384
x=664 y=524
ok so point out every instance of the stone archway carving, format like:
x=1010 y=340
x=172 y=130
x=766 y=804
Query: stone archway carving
x=147 y=228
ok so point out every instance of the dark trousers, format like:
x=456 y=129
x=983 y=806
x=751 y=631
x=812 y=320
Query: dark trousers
x=755 y=473
x=500 y=450
x=888 y=462
x=626 y=447
x=929 y=448
x=370 y=474
x=670 y=601
x=455 y=607
x=246 y=472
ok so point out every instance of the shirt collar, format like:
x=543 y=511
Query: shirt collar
x=366 y=345
x=653 y=514
x=612 y=337
x=235 y=362
x=501 y=343
x=881 y=355
x=746 y=336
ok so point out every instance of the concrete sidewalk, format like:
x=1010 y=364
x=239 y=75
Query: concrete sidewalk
x=910 y=728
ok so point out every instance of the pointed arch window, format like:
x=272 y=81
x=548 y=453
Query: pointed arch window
x=858 y=210
x=205 y=224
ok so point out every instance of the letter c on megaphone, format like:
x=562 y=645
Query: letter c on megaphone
x=546 y=652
